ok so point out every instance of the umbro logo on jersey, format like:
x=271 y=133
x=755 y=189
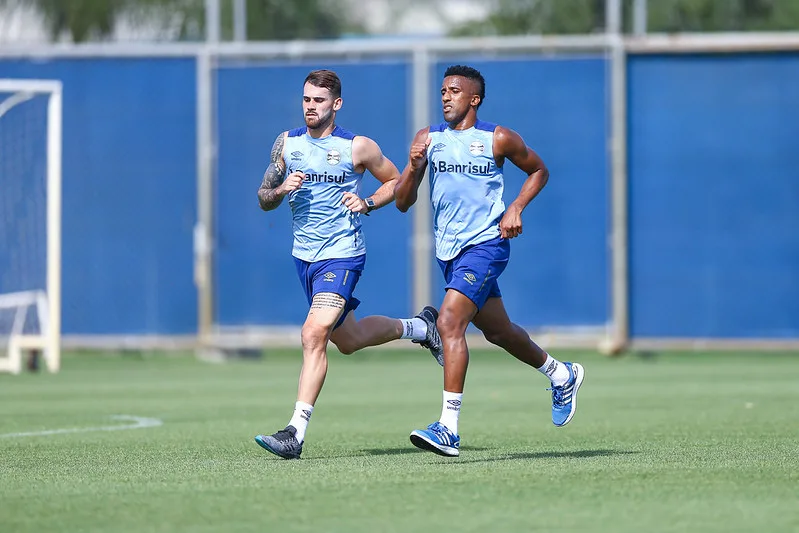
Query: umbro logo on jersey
x=296 y=155
x=438 y=147
x=470 y=278
x=329 y=276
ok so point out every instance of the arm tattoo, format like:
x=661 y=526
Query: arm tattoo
x=327 y=300
x=268 y=197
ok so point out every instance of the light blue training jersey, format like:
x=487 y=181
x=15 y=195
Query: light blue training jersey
x=465 y=187
x=323 y=227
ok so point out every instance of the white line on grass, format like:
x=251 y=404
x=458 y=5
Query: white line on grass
x=137 y=422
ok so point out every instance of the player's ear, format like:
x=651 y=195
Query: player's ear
x=475 y=100
x=337 y=103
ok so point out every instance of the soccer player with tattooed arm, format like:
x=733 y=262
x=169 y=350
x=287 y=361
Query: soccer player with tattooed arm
x=319 y=167
x=473 y=229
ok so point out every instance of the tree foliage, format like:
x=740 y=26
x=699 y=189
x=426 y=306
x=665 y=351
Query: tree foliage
x=519 y=17
x=84 y=20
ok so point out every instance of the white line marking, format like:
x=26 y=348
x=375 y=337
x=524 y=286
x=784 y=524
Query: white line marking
x=137 y=422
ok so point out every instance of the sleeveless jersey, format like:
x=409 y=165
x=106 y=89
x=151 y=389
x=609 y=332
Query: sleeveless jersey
x=465 y=187
x=323 y=227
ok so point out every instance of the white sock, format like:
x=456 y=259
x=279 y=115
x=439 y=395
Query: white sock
x=300 y=419
x=450 y=410
x=413 y=328
x=556 y=371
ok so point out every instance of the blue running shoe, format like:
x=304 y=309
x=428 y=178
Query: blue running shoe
x=284 y=443
x=437 y=439
x=432 y=341
x=564 y=398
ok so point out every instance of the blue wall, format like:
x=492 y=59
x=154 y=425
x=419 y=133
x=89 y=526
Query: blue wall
x=129 y=194
x=714 y=194
x=714 y=197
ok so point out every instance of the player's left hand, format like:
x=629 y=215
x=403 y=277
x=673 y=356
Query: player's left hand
x=354 y=203
x=511 y=224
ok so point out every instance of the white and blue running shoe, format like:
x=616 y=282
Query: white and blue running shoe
x=437 y=438
x=564 y=397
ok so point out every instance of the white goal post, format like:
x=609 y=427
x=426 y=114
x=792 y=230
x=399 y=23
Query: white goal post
x=45 y=300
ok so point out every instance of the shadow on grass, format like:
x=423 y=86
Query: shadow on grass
x=579 y=454
x=497 y=455
x=407 y=450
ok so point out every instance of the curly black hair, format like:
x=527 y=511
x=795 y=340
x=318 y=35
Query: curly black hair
x=471 y=74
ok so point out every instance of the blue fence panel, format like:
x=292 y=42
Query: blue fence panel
x=558 y=273
x=714 y=219
x=23 y=199
x=129 y=193
x=256 y=279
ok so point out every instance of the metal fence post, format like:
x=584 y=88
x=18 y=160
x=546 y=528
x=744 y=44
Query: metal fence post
x=203 y=239
x=619 y=335
x=422 y=222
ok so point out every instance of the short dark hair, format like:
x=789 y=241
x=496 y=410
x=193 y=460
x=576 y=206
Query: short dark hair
x=472 y=74
x=326 y=79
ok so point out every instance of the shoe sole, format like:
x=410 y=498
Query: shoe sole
x=432 y=317
x=422 y=443
x=580 y=376
x=263 y=444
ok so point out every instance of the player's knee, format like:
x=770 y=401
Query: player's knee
x=450 y=325
x=313 y=336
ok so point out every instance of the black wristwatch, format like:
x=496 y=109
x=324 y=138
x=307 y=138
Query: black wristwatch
x=370 y=205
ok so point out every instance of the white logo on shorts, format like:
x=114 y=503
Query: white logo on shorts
x=329 y=276
x=469 y=277
x=477 y=148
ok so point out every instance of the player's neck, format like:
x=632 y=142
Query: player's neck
x=465 y=123
x=324 y=131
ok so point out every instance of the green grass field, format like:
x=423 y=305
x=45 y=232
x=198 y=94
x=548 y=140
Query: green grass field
x=670 y=442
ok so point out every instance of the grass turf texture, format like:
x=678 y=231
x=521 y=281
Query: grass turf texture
x=670 y=442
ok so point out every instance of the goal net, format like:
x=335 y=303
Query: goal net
x=30 y=222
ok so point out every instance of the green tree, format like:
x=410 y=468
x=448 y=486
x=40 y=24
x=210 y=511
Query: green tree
x=520 y=17
x=723 y=15
x=85 y=20
x=81 y=18
x=292 y=19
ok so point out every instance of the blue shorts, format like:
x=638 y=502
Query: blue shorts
x=339 y=276
x=474 y=271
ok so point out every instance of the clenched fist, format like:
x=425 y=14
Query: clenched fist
x=292 y=182
x=354 y=203
x=419 y=154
